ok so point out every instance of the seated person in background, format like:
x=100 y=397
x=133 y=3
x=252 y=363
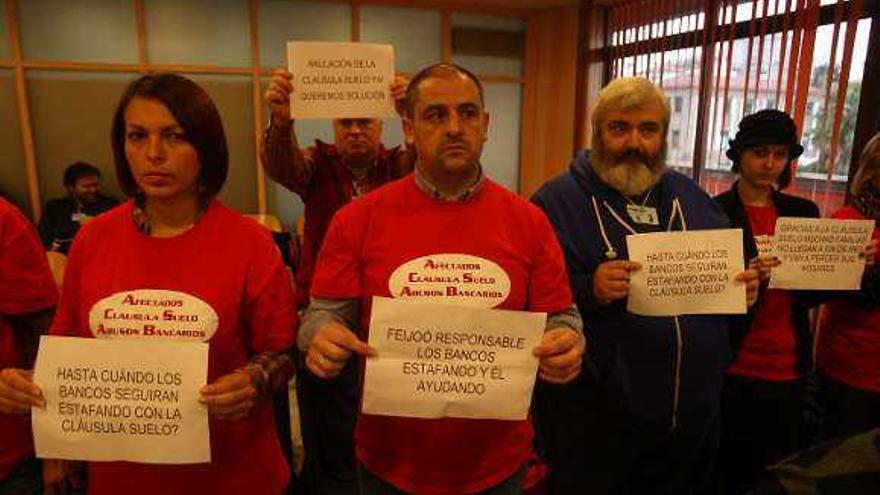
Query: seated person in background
x=62 y=217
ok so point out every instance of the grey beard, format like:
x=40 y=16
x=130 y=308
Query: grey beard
x=630 y=178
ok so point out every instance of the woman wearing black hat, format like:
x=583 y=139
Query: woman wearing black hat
x=762 y=397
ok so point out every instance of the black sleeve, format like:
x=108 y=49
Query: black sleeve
x=581 y=282
x=48 y=224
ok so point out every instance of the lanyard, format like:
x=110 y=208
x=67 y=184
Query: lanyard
x=610 y=252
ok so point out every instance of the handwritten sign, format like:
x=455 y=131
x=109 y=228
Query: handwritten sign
x=438 y=361
x=340 y=80
x=820 y=253
x=687 y=273
x=121 y=400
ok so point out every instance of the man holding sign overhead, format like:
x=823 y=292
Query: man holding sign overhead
x=326 y=177
x=648 y=421
x=423 y=240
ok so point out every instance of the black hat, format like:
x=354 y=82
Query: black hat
x=765 y=127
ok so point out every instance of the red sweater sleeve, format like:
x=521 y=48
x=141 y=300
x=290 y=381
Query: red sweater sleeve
x=269 y=314
x=337 y=274
x=26 y=283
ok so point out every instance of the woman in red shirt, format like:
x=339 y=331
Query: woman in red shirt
x=27 y=297
x=173 y=238
x=848 y=354
x=763 y=387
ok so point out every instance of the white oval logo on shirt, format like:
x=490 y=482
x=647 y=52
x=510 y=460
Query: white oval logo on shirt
x=152 y=314
x=456 y=279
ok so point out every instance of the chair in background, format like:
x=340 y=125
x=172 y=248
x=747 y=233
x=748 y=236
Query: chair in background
x=57 y=263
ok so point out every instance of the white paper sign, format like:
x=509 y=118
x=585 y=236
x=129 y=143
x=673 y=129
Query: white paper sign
x=340 y=80
x=687 y=273
x=439 y=361
x=121 y=400
x=820 y=253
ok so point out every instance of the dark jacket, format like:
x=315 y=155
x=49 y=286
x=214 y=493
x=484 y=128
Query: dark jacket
x=786 y=206
x=58 y=226
x=636 y=357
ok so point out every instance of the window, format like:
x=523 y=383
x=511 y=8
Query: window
x=80 y=55
x=805 y=58
x=198 y=32
x=78 y=31
x=415 y=33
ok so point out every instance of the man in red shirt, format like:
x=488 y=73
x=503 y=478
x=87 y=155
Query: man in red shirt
x=27 y=297
x=450 y=212
x=326 y=177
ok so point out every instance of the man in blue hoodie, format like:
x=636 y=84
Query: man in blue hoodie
x=646 y=419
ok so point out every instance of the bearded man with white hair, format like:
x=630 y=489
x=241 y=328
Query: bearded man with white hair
x=645 y=418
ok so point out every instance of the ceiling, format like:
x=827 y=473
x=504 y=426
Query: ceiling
x=512 y=4
x=524 y=4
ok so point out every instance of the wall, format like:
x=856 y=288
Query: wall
x=549 y=102
x=77 y=56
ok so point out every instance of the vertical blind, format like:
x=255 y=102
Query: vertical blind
x=794 y=55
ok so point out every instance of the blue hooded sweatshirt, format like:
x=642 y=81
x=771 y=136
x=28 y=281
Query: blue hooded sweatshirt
x=652 y=370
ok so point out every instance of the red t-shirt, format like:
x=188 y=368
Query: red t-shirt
x=26 y=285
x=331 y=187
x=227 y=262
x=769 y=349
x=372 y=246
x=849 y=340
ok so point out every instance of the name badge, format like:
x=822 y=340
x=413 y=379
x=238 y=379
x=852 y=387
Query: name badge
x=645 y=215
x=764 y=244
